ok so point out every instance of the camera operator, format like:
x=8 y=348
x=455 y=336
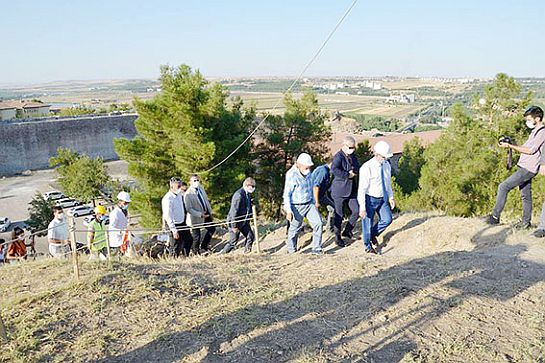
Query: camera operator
x=528 y=166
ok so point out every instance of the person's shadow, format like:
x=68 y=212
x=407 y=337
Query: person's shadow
x=361 y=312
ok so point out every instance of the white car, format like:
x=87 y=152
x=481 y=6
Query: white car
x=82 y=210
x=88 y=220
x=67 y=203
x=53 y=195
x=4 y=224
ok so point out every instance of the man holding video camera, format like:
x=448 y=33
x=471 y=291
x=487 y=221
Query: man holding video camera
x=528 y=166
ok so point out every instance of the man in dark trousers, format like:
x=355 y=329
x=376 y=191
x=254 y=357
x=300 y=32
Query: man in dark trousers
x=345 y=167
x=238 y=217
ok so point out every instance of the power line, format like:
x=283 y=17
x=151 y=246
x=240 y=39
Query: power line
x=324 y=43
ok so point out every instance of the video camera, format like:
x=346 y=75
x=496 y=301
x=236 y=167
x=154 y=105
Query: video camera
x=507 y=140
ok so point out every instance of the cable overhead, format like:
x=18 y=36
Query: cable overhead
x=309 y=63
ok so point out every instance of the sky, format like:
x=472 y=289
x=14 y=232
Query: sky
x=54 y=40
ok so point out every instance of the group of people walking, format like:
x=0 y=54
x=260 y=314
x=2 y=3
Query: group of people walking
x=342 y=184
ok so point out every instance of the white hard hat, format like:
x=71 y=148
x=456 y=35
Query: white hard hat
x=305 y=159
x=124 y=196
x=383 y=149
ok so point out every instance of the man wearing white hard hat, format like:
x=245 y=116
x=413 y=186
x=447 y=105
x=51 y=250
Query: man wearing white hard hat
x=299 y=203
x=375 y=195
x=119 y=222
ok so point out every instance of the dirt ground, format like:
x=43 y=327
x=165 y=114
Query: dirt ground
x=443 y=290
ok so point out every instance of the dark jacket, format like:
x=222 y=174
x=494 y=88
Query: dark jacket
x=342 y=186
x=241 y=206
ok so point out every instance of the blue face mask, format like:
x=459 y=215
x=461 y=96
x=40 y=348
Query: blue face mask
x=125 y=207
x=101 y=218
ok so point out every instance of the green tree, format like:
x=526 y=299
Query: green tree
x=80 y=176
x=186 y=128
x=282 y=138
x=363 y=151
x=464 y=167
x=40 y=212
x=410 y=166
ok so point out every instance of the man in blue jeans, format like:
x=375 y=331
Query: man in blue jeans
x=299 y=203
x=375 y=195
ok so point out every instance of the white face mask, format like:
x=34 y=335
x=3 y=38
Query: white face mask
x=530 y=124
x=195 y=183
x=348 y=151
x=177 y=191
x=305 y=172
x=250 y=189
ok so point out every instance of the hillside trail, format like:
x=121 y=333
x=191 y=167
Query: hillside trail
x=443 y=289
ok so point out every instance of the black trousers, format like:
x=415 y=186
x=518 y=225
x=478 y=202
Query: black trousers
x=182 y=244
x=202 y=240
x=339 y=214
x=246 y=231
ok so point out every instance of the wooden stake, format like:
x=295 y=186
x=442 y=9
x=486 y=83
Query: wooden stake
x=3 y=334
x=256 y=231
x=72 y=226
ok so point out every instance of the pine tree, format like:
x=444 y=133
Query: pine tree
x=302 y=128
x=186 y=129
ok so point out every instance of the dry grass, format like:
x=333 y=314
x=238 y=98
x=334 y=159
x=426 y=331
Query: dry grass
x=477 y=298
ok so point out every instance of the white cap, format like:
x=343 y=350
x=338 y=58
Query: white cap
x=305 y=159
x=383 y=149
x=124 y=196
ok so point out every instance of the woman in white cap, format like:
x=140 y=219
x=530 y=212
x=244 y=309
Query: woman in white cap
x=375 y=195
x=119 y=222
x=299 y=203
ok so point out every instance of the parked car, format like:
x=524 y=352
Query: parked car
x=4 y=224
x=53 y=195
x=88 y=220
x=82 y=210
x=67 y=203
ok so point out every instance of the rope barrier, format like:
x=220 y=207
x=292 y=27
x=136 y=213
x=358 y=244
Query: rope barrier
x=287 y=90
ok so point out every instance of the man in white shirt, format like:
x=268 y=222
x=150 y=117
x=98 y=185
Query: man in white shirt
x=375 y=195
x=119 y=222
x=174 y=217
x=57 y=235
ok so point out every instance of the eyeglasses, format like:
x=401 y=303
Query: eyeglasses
x=175 y=180
x=351 y=147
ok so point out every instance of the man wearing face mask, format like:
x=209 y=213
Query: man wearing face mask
x=200 y=212
x=239 y=217
x=57 y=235
x=174 y=216
x=345 y=167
x=119 y=222
x=96 y=235
x=527 y=169
x=375 y=195
x=299 y=203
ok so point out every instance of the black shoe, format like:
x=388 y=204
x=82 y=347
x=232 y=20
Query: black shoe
x=539 y=233
x=371 y=251
x=340 y=243
x=348 y=234
x=247 y=249
x=374 y=240
x=492 y=220
x=522 y=226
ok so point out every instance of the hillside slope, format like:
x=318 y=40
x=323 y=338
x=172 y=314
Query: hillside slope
x=444 y=290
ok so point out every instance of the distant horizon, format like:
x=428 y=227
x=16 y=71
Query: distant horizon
x=9 y=85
